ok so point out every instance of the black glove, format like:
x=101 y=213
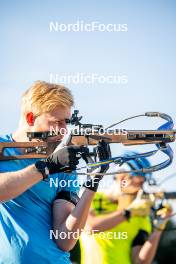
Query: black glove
x=63 y=160
x=101 y=152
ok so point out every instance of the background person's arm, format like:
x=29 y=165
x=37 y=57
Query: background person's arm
x=146 y=253
x=110 y=220
x=104 y=222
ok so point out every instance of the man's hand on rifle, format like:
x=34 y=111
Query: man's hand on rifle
x=64 y=160
x=102 y=152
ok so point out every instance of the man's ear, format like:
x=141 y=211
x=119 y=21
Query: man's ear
x=30 y=118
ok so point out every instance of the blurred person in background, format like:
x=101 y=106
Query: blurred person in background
x=119 y=228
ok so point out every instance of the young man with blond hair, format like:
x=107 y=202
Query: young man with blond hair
x=30 y=208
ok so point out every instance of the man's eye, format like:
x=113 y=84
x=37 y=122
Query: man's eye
x=58 y=122
x=68 y=121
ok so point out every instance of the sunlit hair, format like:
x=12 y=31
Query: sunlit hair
x=43 y=97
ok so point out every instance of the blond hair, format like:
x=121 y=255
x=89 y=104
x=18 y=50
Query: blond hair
x=44 y=97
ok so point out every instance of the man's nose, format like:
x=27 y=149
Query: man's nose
x=63 y=127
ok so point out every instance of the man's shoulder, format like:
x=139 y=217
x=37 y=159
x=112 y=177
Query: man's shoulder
x=6 y=138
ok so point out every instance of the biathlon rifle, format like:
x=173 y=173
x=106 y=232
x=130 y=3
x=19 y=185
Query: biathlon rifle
x=89 y=134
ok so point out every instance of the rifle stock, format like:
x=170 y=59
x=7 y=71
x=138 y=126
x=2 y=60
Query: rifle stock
x=132 y=137
x=41 y=149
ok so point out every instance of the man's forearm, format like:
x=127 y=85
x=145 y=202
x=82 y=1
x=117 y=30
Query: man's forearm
x=15 y=183
x=148 y=250
x=78 y=217
x=75 y=221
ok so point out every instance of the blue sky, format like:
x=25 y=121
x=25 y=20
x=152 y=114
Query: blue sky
x=146 y=54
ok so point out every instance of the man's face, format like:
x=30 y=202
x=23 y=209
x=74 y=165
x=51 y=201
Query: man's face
x=53 y=121
x=130 y=184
